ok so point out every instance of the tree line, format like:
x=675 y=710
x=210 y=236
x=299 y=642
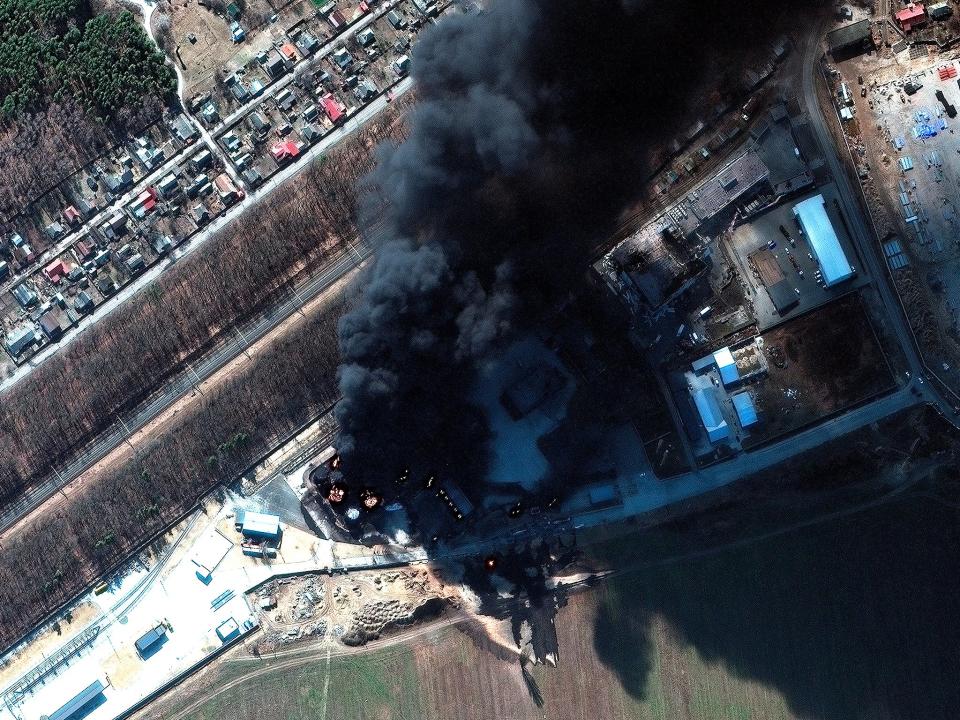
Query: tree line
x=218 y=437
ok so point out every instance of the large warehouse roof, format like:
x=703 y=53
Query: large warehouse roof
x=710 y=415
x=812 y=214
x=78 y=702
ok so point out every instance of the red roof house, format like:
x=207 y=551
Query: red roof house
x=911 y=16
x=289 y=52
x=332 y=108
x=56 y=270
x=72 y=215
x=284 y=151
x=83 y=250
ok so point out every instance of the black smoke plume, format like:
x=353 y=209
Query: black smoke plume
x=533 y=129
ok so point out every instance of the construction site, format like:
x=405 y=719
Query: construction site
x=227 y=574
x=897 y=107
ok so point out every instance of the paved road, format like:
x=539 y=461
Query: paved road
x=252 y=198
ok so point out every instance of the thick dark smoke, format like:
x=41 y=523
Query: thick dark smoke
x=532 y=130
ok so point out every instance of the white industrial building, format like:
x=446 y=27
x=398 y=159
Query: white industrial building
x=816 y=225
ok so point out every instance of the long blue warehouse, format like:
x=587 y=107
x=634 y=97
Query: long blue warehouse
x=78 y=702
x=812 y=214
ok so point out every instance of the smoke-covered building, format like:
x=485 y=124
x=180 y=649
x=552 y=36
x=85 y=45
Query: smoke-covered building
x=736 y=182
x=850 y=40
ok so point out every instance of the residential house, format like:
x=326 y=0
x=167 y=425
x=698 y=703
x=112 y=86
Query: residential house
x=252 y=177
x=275 y=65
x=83 y=303
x=365 y=91
x=201 y=160
x=72 y=216
x=210 y=113
x=198 y=185
x=184 y=129
x=913 y=15
x=161 y=244
x=332 y=107
x=227 y=191
x=310 y=133
x=168 y=185
x=342 y=58
x=289 y=52
x=307 y=44
x=51 y=322
x=401 y=66
x=366 y=38
x=56 y=270
x=22 y=250
x=135 y=264
x=337 y=20
x=20 y=339
x=259 y=123
x=55 y=230
x=284 y=152
x=25 y=295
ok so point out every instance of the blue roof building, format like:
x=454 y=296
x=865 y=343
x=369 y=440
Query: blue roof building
x=710 y=414
x=150 y=639
x=259 y=525
x=73 y=707
x=746 y=412
x=813 y=218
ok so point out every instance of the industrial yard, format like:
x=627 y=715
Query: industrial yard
x=206 y=587
x=895 y=106
x=534 y=442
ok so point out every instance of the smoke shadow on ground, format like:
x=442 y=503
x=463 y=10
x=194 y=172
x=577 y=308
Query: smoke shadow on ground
x=856 y=617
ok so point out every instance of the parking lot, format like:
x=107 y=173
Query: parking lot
x=791 y=255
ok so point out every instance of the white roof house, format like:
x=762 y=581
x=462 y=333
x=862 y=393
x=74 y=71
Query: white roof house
x=746 y=412
x=710 y=415
x=812 y=214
